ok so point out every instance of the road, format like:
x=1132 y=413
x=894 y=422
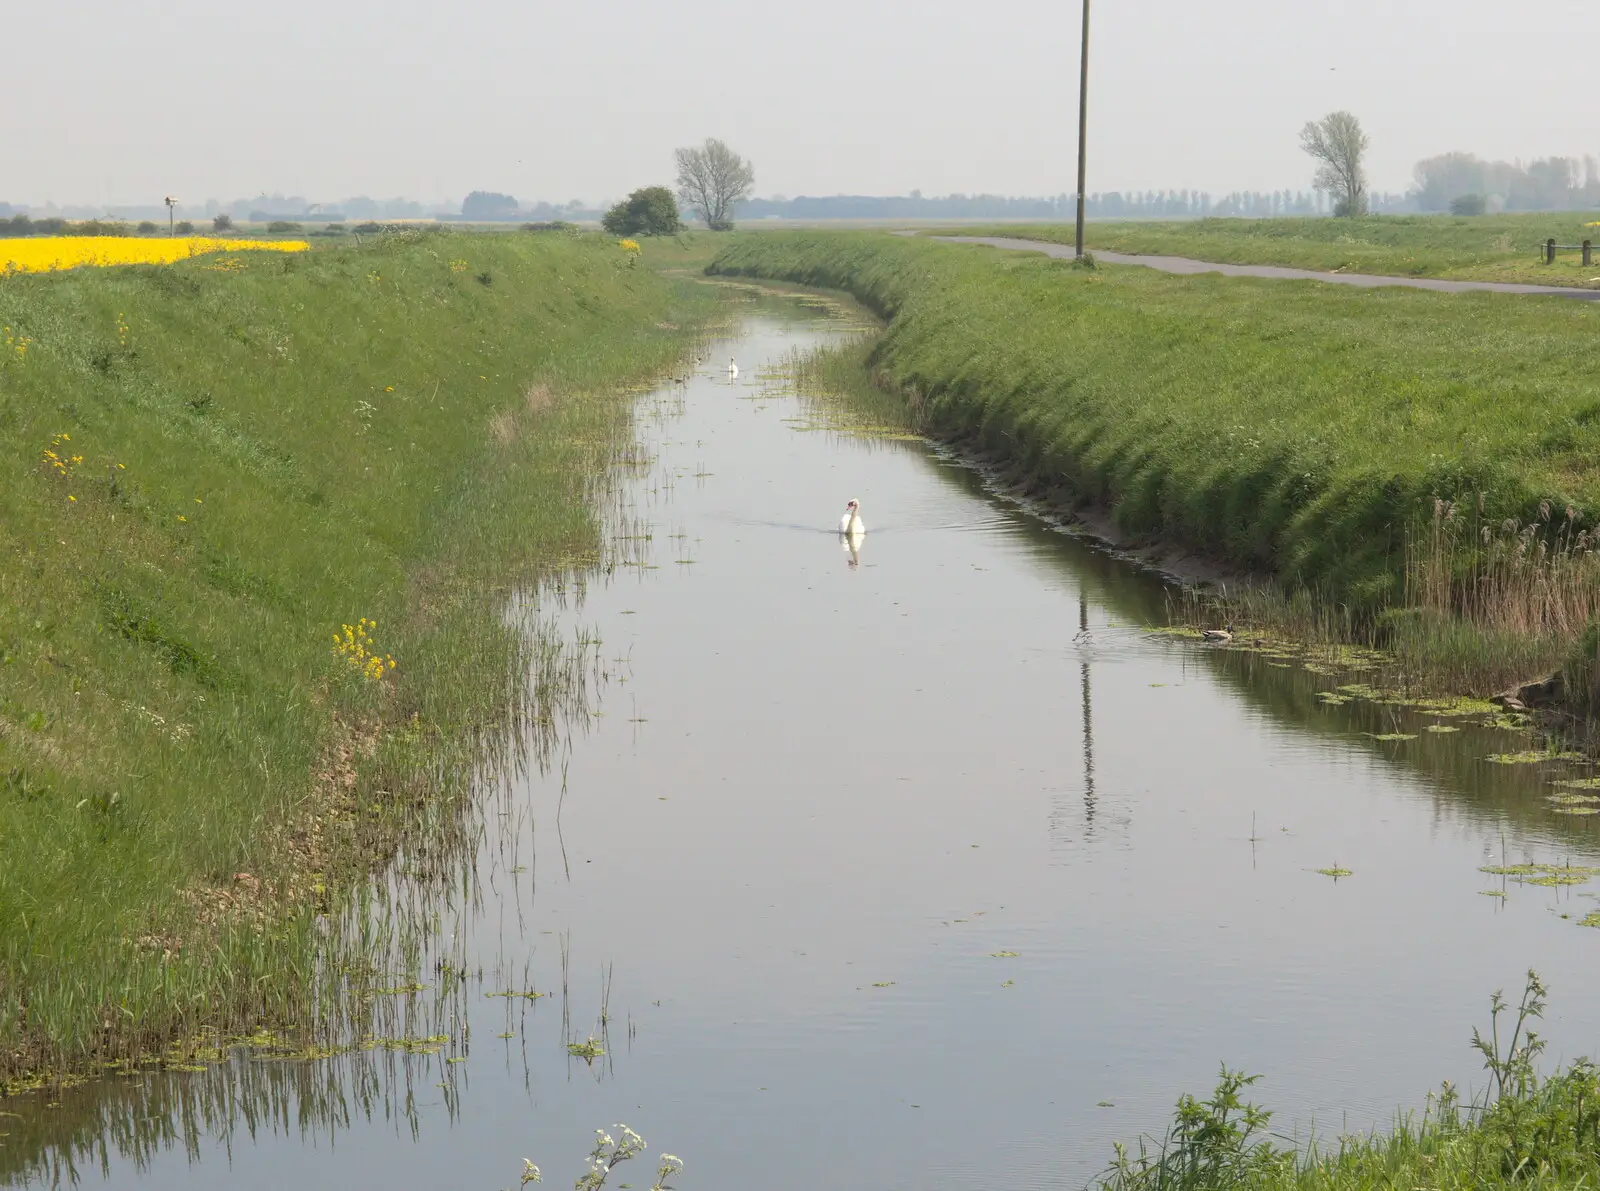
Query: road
x=1179 y=264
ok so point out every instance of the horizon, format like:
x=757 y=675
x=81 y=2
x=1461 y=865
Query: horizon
x=969 y=101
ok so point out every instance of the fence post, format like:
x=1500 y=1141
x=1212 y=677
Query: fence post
x=1550 y=251
x=1588 y=254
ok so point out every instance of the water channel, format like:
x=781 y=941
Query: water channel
x=919 y=866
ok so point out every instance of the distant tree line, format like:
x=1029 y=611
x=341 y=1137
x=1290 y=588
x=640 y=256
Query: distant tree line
x=20 y=225
x=1549 y=184
x=1137 y=204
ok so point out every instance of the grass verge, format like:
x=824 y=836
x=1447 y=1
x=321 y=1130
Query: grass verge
x=212 y=468
x=1329 y=438
x=1448 y=247
x=1525 y=1130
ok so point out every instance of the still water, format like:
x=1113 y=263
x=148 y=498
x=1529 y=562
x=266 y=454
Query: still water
x=923 y=866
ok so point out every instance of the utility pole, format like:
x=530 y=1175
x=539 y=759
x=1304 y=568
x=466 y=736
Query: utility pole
x=1083 y=124
x=172 y=203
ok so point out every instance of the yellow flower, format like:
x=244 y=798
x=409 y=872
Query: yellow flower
x=181 y=517
x=72 y=498
x=44 y=253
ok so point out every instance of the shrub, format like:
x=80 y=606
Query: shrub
x=94 y=227
x=222 y=223
x=553 y=225
x=280 y=227
x=185 y=228
x=146 y=228
x=1469 y=204
x=651 y=211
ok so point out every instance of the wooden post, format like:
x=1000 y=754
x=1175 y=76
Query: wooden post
x=1550 y=251
x=1588 y=254
x=1083 y=127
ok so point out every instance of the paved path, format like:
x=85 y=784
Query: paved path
x=1179 y=264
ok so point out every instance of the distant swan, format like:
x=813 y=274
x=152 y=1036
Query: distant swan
x=733 y=369
x=851 y=524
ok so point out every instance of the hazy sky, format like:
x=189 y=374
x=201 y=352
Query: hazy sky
x=123 y=103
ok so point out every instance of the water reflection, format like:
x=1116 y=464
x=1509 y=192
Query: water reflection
x=1088 y=718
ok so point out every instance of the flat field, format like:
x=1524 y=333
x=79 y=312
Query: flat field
x=214 y=470
x=1479 y=248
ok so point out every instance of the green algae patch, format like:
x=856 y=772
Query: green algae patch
x=1532 y=757
x=1543 y=874
x=588 y=1050
x=1335 y=872
x=432 y=1044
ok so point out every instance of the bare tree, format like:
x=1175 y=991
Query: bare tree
x=711 y=179
x=1338 y=144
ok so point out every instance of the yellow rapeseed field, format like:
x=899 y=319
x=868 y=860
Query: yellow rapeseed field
x=69 y=252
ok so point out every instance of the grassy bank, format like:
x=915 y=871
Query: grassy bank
x=212 y=469
x=1480 y=248
x=1524 y=1129
x=1289 y=428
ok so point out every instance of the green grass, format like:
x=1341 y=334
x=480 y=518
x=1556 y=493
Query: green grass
x=1289 y=428
x=1480 y=248
x=1524 y=1130
x=406 y=431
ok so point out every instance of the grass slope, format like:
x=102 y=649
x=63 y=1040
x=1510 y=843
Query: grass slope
x=248 y=455
x=1286 y=426
x=1481 y=248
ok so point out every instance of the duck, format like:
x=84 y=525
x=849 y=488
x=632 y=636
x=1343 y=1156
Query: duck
x=851 y=524
x=1225 y=633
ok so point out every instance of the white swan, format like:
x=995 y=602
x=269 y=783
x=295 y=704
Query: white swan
x=733 y=369
x=851 y=524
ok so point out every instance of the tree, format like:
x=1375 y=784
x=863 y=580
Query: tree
x=486 y=205
x=222 y=223
x=651 y=211
x=1338 y=144
x=711 y=179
